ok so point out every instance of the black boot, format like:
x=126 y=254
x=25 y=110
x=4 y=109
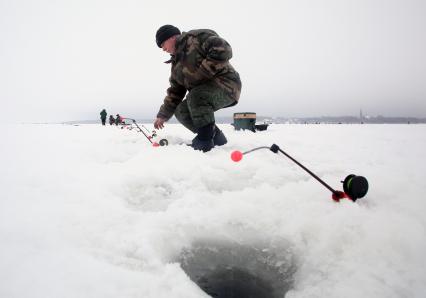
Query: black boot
x=204 y=139
x=219 y=138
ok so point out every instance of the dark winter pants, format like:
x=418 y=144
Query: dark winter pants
x=103 y=121
x=197 y=109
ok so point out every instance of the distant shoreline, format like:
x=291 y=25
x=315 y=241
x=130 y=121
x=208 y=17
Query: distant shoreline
x=297 y=120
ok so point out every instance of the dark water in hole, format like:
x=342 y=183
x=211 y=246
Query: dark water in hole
x=232 y=270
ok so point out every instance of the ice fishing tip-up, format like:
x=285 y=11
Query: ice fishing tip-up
x=148 y=135
x=354 y=187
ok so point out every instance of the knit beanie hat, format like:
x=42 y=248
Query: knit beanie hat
x=164 y=33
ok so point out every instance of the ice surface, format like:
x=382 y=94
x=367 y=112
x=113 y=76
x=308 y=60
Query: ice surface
x=92 y=211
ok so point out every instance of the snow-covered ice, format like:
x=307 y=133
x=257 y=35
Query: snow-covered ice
x=92 y=211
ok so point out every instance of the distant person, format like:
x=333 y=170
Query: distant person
x=118 y=119
x=103 y=114
x=111 y=120
x=200 y=69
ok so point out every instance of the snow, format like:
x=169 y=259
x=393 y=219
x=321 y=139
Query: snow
x=92 y=211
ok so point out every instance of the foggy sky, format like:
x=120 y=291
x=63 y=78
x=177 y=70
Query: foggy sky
x=66 y=60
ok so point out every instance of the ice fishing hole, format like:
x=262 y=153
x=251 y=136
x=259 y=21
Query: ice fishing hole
x=231 y=270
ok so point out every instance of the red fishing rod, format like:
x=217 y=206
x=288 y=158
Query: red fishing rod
x=163 y=142
x=354 y=187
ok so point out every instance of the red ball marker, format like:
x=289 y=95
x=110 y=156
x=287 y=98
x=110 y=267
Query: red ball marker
x=236 y=156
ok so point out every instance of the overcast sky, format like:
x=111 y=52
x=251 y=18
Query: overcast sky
x=66 y=60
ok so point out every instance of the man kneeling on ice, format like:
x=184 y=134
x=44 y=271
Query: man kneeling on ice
x=200 y=65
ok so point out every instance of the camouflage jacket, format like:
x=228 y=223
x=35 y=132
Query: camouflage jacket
x=201 y=56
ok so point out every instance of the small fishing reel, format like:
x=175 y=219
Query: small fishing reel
x=355 y=187
x=163 y=142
